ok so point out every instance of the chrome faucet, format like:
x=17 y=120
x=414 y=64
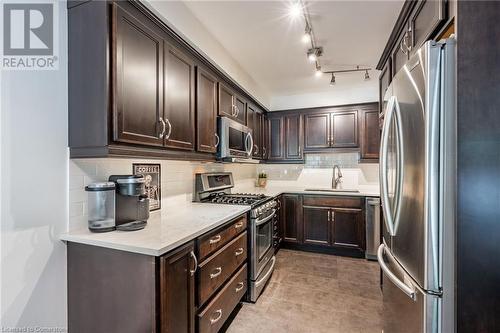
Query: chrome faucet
x=336 y=180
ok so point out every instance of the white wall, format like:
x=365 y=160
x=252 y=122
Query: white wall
x=179 y=17
x=34 y=190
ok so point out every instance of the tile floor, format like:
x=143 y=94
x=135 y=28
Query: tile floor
x=311 y=293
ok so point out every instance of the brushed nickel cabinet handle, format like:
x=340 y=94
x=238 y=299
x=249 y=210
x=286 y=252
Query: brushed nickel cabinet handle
x=239 y=286
x=329 y=218
x=218 y=314
x=333 y=216
x=163 y=128
x=192 y=271
x=239 y=252
x=264 y=151
x=215 y=239
x=218 y=271
x=238 y=225
x=169 y=129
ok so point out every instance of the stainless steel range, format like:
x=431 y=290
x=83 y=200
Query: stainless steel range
x=216 y=188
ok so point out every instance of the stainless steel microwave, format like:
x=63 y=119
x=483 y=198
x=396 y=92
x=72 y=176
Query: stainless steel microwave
x=236 y=141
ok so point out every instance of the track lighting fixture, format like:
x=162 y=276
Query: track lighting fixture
x=357 y=69
x=306 y=38
x=318 y=71
x=332 y=81
x=314 y=53
x=367 y=76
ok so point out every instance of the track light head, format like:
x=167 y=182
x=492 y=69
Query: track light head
x=306 y=38
x=367 y=76
x=314 y=53
x=318 y=72
x=332 y=81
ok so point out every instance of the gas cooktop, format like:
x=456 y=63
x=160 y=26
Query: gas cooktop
x=237 y=198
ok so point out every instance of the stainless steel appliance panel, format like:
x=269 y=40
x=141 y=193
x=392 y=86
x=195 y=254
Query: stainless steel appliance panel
x=372 y=227
x=410 y=166
x=236 y=140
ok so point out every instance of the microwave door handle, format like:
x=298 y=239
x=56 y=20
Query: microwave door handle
x=249 y=147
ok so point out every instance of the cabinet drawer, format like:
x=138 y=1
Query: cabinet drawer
x=218 y=310
x=213 y=241
x=220 y=266
x=331 y=201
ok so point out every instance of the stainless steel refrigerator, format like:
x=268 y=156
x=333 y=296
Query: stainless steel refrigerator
x=417 y=177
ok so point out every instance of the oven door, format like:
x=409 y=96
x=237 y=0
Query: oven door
x=235 y=139
x=261 y=246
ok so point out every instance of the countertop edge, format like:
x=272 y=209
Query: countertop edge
x=149 y=251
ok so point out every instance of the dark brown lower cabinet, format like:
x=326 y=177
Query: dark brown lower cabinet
x=324 y=223
x=177 y=287
x=290 y=221
x=317 y=227
x=348 y=228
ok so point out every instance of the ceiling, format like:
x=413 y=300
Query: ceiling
x=266 y=41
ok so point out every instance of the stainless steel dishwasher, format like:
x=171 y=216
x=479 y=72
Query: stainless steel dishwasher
x=372 y=227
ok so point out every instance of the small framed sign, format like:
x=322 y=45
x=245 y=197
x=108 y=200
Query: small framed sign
x=152 y=174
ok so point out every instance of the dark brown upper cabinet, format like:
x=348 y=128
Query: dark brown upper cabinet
x=177 y=289
x=293 y=137
x=427 y=17
x=255 y=122
x=241 y=109
x=276 y=134
x=317 y=131
x=178 y=105
x=133 y=85
x=137 y=106
x=344 y=129
x=231 y=105
x=265 y=137
x=206 y=111
x=370 y=135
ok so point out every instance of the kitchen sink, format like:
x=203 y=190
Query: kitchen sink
x=331 y=190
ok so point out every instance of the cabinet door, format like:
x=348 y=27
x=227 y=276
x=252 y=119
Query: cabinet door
x=291 y=218
x=226 y=101
x=177 y=290
x=426 y=18
x=178 y=99
x=344 y=129
x=317 y=225
x=399 y=53
x=293 y=137
x=254 y=121
x=348 y=228
x=316 y=131
x=276 y=138
x=241 y=109
x=370 y=134
x=206 y=110
x=265 y=137
x=138 y=95
x=383 y=82
x=258 y=133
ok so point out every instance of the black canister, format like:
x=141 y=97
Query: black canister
x=130 y=185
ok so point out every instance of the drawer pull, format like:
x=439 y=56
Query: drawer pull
x=218 y=314
x=218 y=270
x=239 y=252
x=238 y=225
x=239 y=286
x=215 y=239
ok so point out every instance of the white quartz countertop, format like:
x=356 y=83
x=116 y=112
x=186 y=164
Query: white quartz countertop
x=277 y=190
x=165 y=230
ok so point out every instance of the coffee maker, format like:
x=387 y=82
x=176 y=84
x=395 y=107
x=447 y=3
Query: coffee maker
x=132 y=202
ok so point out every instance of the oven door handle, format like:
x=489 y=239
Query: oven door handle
x=266 y=276
x=264 y=220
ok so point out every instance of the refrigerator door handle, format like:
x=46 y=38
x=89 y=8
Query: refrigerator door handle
x=408 y=290
x=391 y=220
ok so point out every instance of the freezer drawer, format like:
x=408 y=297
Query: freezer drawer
x=407 y=308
